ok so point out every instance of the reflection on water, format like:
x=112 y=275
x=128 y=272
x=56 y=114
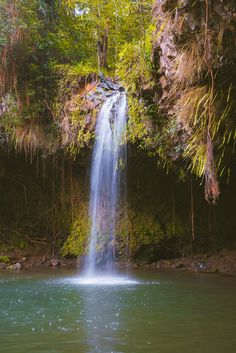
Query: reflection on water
x=150 y=313
x=103 y=311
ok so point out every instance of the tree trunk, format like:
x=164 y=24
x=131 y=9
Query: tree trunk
x=103 y=50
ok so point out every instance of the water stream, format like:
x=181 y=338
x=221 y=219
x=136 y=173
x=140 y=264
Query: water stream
x=108 y=161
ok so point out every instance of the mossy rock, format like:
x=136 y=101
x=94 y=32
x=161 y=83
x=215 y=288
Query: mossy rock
x=76 y=242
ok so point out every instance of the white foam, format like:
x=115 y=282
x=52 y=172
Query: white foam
x=102 y=280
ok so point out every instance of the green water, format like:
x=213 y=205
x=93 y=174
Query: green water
x=162 y=313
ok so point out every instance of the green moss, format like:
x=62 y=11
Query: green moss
x=144 y=230
x=4 y=259
x=75 y=114
x=79 y=69
x=132 y=234
x=76 y=243
x=137 y=130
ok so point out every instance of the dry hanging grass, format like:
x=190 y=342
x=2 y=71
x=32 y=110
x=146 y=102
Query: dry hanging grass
x=192 y=111
x=29 y=138
x=192 y=107
x=189 y=64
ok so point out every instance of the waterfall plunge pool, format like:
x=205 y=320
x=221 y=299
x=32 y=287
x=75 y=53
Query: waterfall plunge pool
x=101 y=280
x=144 y=312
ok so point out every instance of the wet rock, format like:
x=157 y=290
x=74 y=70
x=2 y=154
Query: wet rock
x=15 y=267
x=200 y=267
x=109 y=85
x=223 y=263
x=28 y=265
x=2 y=266
x=69 y=263
x=99 y=90
x=80 y=261
x=205 y=267
x=181 y=264
x=55 y=262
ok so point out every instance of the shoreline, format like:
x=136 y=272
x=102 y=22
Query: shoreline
x=223 y=262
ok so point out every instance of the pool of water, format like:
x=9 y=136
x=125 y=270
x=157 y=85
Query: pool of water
x=147 y=312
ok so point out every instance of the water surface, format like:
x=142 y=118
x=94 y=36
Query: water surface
x=146 y=313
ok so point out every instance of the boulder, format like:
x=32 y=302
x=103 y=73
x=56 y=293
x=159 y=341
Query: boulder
x=15 y=267
x=55 y=262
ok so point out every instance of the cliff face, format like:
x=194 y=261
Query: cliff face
x=44 y=210
x=194 y=53
x=206 y=28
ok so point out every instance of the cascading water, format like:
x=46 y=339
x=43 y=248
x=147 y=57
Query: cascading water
x=108 y=161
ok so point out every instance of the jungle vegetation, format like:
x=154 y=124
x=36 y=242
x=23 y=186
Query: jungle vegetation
x=176 y=59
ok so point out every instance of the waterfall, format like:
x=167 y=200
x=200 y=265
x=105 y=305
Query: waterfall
x=108 y=162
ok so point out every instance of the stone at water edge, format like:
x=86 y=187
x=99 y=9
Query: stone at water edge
x=15 y=267
x=2 y=266
x=55 y=262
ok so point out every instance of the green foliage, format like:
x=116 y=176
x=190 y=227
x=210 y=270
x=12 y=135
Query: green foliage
x=76 y=242
x=20 y=243
x=4 y=259
x=75 y=114
x=135 y=66
x=145 y=231
x=76 y=70
x=18 y=16
x=132 y=234
x=49 y=50
x=138 y=116
x=50 y=47
x=5 y=247
x=123 y=22
x=135 y=71
x=14 y=242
